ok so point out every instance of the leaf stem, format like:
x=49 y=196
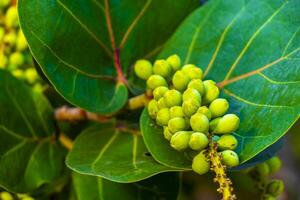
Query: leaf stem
x=65 y=141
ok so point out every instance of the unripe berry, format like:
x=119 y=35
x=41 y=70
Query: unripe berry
x=6 y=196
x=38 y=88
x=155 y=81
x=211 y=91
x=4 y=3
x=267 y=197
x=227 y=142
x=263 y=170
x=3 y=61
x=10 y=38
x=176 y=124
x=161 y=103
x=180 y=80
x=213 y=123
x=153 y=108
x=163 y=117
x=11 y=17
x=192 y=71
x=167 y=133
x=190 y=107
x=198 y=85
x=191 y=93
x=2 y=33
x=159 y=92
x=274 y=164
x=176 y=111
x=21 y=41
x=18 y=73
x=198 y=141
x=31 y=75
x=205 y=111
x=218 y=107
x=201 y=164
x=162 y=68
x=180 y=140
x=16 y=59
x=275 y=187
x=27 y=198
x=230 y=158
x=199 y=122
x=174 y=61
x=227 y=124
x=143 y=69
x=173 y=98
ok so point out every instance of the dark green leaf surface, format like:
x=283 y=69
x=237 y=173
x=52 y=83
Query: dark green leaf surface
x=251 y=48
x=162 y=186
x=71 y=42
x=114 y=153
x=29 y=155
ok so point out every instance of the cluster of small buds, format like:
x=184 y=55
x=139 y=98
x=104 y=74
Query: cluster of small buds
x=189 y=109
x=14 y=54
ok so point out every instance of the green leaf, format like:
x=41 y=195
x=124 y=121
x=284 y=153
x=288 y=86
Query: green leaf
x=29 y=154
x=162 y=186
x=251 y=48
x=71 y=41
x=113 y=152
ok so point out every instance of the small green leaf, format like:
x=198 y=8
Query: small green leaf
x=162 y=186
x=29 y=154
x=113 y=152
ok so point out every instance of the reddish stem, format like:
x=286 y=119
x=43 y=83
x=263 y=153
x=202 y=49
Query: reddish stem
x=121 y=77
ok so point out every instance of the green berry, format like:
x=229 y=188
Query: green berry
x=191 y=93
x=161 y=103
x=2 y=33
x=275 y=187
x=11 y=17
x=173 y=98
x=218 y=107
x=162 y=68
x=198 y=141
x=155 y=81
x=18 y=73
x=38 y=88
x=6 y=196
x=230 y=158
x=180 y=80
x=4 y=3
x=10 y=38
x=143 y=69
x=153 y=108
x=198 y=85
x=21 y=41
x=274 y=164
x=263 y=170
x=174 y=61
x=213 y=123
x=167 y=133
x=16 y=59
x=180 y=140
x=211 y=91
x=176 y=111
x=3 y=61
x=199 y=122
x=27 y=198
x=190 y=107
x=267 y=197
x=205 y=111
x=31 y=75
x=163 y=117
x=192 y=71
x=227 y=142
x=227 y=124
x=201 y=164
x=159 y=92
x=176 y=124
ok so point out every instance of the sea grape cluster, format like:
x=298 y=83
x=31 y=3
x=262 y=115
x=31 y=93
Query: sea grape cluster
x=14 y=54
x=189 y=110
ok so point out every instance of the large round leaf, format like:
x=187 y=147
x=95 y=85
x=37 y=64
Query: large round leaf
x=85 y=47
x=29 y=154
x=251 y=48
x=162 y=186
x=114 y=153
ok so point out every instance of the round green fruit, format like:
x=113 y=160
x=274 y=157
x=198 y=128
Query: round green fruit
x=274 y=164
x=18 y=73
x=11 y=17
x=201 y=164
x=263 y=170
x=2 y=33
x=176 y=111
x=162 y=68
x=180 y=80
x=198 y=141
x=161 y=103
x=4 y=3
x=143 y=69
x=6 y=196
x=3 y=61
x=167 y=133
x=230 y=158
x=31 y=75
x=155 y=81
x=205 y=111
x=176 y=124
x=192 y=71
x=190 y=107
x=174 y=61
x=10 y=38
x=198 y=85
x=200 y=123
x=163 y=117
x=227 y=142
x=21 y=41
x=227 y=124
x=213 y=123
x=159 y=92
x=275 y=187
x=211 y=91
x=180 y=140
x=218 y=107
x=153 y=108
x=191 y=93
x=16 y=59
x=173 y=98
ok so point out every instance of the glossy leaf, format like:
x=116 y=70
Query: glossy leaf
x=162 y=186
x=82 y=46
x=29 y=154
x=251 y=48
x=114 y=153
